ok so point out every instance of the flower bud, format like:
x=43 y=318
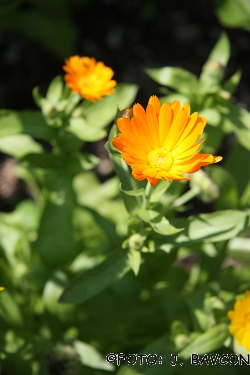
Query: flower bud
x=136 y=241
x=208 y=189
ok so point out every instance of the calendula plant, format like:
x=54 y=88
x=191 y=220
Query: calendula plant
x=43 y=237
x=149 y=262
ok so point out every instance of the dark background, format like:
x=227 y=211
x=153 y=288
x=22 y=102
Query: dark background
x=128 y=36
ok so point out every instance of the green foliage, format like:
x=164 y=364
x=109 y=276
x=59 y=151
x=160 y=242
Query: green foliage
x=92 y=268
x=211 y=95
x=233 y=13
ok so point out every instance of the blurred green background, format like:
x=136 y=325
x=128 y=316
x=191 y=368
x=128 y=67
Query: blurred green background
x=129 y=36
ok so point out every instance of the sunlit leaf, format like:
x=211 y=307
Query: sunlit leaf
x=176 y=78
x=156 y=360
x=103 y=112
x=84 y=130
x=211 y=227
x=26 y=122
x=133 y=193
x=206 y=342
x=55 y=89
x=212 y=70
x=95 y=280
x=52 y=291
x=134 y=257
x=9 y=309
x=234 y=13
x=56 y=220
x=18 y=145
x=232 y=83
x=89 y=356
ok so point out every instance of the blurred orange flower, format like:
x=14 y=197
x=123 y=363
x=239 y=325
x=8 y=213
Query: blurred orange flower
x=240 y=320
x=89 y=78
x=160 y=143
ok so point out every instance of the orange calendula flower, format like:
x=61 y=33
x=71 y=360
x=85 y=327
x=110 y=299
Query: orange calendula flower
x=88 y=77
x=240 y=320
x=161 y=142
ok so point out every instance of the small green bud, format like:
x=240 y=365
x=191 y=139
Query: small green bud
x=208 y=189
x=136 y=241
x=216 y=70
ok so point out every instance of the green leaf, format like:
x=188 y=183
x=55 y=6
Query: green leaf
x=26 y=122
x=212 y=227
x=132 y=203
x=55 y=89
x=206 y=342
x=159 y=190
x=160 y=351
x=9 y=309
x=133 y=193
x=235 y=164
x=158 y=222
x=105 y=224
x=38 y=98
x=217 y=226
x=52 y=291
x=236 y=120
x=227 y=184
x=46 y=161
x=234 y=13
x=164 y=228
x=245 y=198
x=103 y=112
x=55 y=242
x=127 y=370
x=240 y=243
x=23 y=218
x=92 y=282
x=87 y=161
x=19 y=145
x=232 y=83
x=134 y=257
x=89 y=356
x=179 y=79
x=213 y=69
x=212 y=115
x=170 y=98
x=91 y=193
x=84 y=130
x=149 y=215
x=10 y=236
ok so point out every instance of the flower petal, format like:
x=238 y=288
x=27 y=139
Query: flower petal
x=160 y=143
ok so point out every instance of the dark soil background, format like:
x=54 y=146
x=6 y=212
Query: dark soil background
x=129 y=36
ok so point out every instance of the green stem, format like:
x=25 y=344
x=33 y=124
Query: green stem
x=146 y=198
x=186 y=197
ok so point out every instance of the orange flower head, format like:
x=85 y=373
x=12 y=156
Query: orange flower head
x=240 y=320
x=161 y=142
x=88 y=77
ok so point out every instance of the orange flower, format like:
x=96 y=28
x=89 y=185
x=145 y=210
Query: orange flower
x=240 y=320
x=89 y=78
x=160 y=144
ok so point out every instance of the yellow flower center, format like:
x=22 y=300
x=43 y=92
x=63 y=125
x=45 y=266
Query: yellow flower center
x=160 y=159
